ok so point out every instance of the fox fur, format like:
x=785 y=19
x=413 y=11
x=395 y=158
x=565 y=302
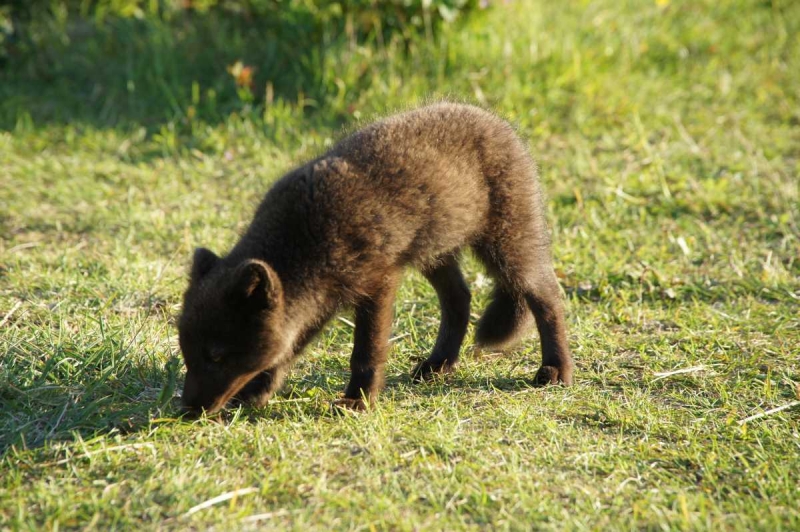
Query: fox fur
x=411 y=190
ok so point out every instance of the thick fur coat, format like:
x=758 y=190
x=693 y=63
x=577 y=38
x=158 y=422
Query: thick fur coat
x=410 y=190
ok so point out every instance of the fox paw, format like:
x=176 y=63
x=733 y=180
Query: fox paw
x=426 y=370
x=345 y=405
x=553 y=375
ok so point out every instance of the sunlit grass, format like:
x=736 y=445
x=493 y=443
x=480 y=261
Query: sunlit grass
x=667 y=135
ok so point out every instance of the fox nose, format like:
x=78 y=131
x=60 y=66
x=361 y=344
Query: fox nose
x=191 y=393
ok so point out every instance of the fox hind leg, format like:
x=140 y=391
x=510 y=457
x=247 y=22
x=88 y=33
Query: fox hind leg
x=454 y=299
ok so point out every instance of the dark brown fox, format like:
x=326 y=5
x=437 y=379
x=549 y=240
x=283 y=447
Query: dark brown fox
x=410 y=190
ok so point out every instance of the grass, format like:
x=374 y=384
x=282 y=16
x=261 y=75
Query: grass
x=668 y=134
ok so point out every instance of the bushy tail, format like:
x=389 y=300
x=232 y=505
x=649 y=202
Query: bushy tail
x=505 y=321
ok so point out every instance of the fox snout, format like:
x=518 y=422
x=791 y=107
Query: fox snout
x=198 y=398
x=191 y=395
x=209 y=393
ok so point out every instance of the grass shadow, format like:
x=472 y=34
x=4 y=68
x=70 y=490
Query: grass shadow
x=68 y=390
x=128 y=72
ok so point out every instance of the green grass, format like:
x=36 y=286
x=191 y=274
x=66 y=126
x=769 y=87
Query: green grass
x=668 y=134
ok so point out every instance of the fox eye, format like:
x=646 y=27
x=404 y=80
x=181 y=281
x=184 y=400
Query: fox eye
x=215 y=355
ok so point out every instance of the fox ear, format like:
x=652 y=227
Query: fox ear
x=203 y=262
x=257 y=283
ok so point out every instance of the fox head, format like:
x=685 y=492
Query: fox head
x=229 y=329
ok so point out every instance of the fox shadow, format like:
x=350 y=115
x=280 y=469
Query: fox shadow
x=313 y=393
x=101 y=385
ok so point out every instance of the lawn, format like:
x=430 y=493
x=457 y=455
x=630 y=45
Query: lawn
x=668 y=137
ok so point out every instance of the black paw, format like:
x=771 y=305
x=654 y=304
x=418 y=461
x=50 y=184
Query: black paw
x=426 y=369
x=553 y=375
x=346 y=405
